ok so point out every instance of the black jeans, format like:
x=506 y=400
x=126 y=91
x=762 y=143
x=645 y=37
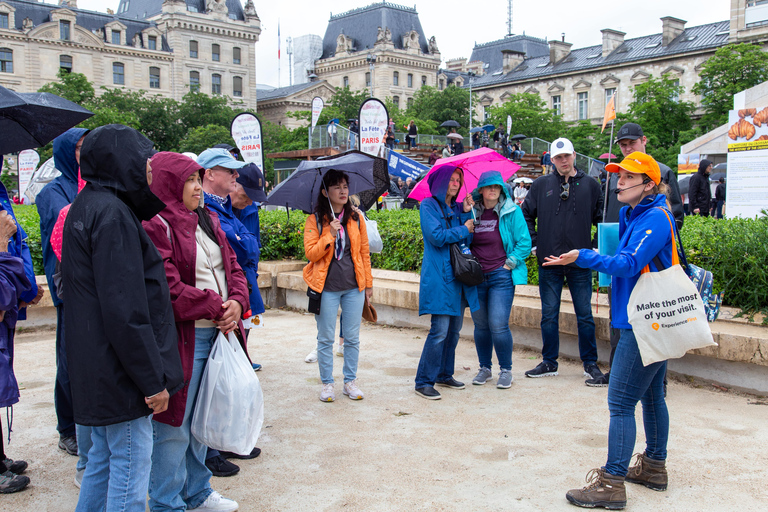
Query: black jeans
x=62 y=393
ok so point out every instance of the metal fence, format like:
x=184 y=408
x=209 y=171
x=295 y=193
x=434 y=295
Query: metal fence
x=534 y=145
x=340 y=138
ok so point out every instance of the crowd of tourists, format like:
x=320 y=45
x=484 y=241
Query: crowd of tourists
x=185 y=231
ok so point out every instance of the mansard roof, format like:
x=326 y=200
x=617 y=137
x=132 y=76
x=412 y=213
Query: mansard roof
x=362 y=26
x=142 y=9
x=490 y=53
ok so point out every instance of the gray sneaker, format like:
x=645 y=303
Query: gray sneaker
x=505 y=379
x=482 y=376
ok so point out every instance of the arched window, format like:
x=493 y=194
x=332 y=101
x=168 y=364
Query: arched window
x=194 y=81
x=367 y=78
x=6 y=60
x=396 y=101
x=395 y=78
x=237 y=86
x=345 y=81
x=65 y=63
x=118 y=73
x=215 y=83
x=423 y=80
x=154 y=78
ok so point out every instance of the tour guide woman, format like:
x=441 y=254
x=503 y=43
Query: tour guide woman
x=209 y=292
x=339 y=268
x=443 y=222
x=645 y=232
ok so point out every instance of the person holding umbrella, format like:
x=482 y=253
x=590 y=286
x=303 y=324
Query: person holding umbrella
x=338 y=274
x=443 y=222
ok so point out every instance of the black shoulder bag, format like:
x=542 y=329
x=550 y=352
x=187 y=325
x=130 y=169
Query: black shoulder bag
x=466 y=268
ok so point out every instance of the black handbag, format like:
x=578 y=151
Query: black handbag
x=466 y=268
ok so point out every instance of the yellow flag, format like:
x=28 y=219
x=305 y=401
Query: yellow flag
x=610 y=112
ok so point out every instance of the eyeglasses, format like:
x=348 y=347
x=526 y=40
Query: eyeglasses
x=565 y=190
x=225 y=169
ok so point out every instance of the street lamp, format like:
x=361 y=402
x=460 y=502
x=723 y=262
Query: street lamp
x=371 y=61
x=471 y=75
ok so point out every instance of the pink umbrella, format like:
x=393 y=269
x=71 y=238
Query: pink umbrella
x=473 y=163
x=607 y=155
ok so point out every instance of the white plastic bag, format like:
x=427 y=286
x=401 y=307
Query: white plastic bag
x=229 y=411
x=667 y=314
x=375 y=245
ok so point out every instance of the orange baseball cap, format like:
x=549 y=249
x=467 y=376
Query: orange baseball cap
x=638 y=163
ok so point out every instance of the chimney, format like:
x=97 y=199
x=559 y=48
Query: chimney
x=558 y=50
x=612 y=39
x=512 y=59
x=670 y=29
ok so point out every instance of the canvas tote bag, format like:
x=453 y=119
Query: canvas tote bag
x=666 y=312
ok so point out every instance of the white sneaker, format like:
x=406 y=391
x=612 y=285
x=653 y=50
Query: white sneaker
x=327 y=394
x=218 y=503
x=339 y=350
x=311 y=357
x=79 y=477
x=352 y=391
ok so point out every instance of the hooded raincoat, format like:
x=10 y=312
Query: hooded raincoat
x=119 y=326
x=176 y=243
x=512 y=226
x=17 y=283
x=56 y=195
x=699 y=191
x=439 y=292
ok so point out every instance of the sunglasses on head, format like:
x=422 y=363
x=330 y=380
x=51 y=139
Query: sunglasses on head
x=565 y=190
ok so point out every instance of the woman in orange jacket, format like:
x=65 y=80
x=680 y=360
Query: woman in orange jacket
x=338 y=274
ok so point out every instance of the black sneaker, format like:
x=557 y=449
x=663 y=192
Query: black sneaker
x=11 y=482
x=598 y=382
x=450 y=383
x=592 y=371
x=221 y=467
x=68 y=444
x=232 y=455
x=16 y=467
x=542 y=370
x=428 y=392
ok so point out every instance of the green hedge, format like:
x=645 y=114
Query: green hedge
x=735 y=250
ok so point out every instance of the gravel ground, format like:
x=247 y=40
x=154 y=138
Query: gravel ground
x=480 y=448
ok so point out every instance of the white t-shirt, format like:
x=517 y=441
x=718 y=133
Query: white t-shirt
x=209 y=270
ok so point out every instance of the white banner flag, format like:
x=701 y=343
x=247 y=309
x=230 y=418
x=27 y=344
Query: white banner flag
x=373 y=126
x=28 y=160
x=509 y=126
x=246 y=130
x=317 y=108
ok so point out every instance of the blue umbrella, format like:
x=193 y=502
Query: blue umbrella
x=476 y=129
x=489 y=128
x=300 y=191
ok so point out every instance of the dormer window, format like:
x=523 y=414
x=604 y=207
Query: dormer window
x=64 y=30
x=152 y=43
x=115 y=37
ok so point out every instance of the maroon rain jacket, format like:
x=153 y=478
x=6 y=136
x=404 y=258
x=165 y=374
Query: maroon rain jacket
x=179 y=251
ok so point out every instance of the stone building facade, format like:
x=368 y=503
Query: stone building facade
x=276 y=103
x=392 y=35
x=163 y=47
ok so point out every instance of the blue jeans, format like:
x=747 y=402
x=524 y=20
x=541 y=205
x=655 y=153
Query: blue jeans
x=550 y=288
x=351 y=302
x=719 y=209
x=84 y=444
x=180 y=480
x=117 y=474
x=632 y=382
x=439 y=352
x=495 y=294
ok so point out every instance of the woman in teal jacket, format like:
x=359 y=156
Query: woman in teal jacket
x=501 y=243
x=443 y=222
x=645 y=231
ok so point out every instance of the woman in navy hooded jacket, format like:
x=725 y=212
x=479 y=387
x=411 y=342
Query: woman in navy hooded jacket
x=52 y=198
x=645 y=231
x=443 y=222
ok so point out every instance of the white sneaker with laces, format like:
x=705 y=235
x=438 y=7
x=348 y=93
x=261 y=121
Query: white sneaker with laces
x=339 y=350
x=311 y=357
x=327 y=394
x=352 y=391
x=217 y=502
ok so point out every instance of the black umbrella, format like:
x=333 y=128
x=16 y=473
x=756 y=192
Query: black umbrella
x=368 y=198
x=683 y=182
x=301 y=189
x=31 y=120
x=716 y=176
x=519 y=136
x=450 y=124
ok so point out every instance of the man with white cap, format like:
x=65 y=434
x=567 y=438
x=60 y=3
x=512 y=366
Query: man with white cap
x=560 y=209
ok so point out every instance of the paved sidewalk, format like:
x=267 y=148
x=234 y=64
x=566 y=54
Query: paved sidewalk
x=477 y=449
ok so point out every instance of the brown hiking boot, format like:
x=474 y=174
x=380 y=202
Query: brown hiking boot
x=604 y=490
x=648 y=472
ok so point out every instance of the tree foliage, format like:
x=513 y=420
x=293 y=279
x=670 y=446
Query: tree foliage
x=74 y=87
x=203 y=137
x=431 y=104
x=732 y=69
x=530 y=116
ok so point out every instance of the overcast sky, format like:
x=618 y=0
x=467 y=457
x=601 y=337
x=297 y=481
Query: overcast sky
x=458 y=25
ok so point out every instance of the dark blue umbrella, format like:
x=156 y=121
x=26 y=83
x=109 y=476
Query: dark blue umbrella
x=300 y=191
x=31 y=120
x=489 y=128
x=476 y=129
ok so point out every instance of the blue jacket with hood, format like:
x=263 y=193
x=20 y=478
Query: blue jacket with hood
x=645 y=232
x=439 y=292
x=512 y=225
x=245 y=245
x=56 y=195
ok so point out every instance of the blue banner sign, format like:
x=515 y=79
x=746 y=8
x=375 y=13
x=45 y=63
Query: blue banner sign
x=400 y=165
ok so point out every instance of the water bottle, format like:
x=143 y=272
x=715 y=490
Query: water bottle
x=464 y=248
